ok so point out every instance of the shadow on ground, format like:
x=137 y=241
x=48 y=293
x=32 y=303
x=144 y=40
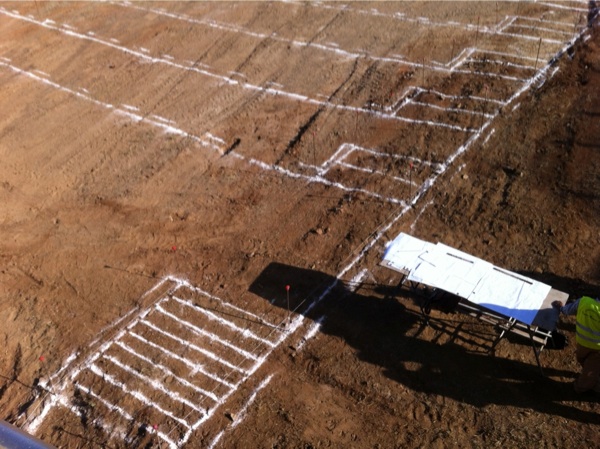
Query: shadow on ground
x=385 y=328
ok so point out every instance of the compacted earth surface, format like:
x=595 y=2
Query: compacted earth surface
x=196 y=197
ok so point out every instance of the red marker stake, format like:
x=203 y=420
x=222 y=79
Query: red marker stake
x=314 y=157
x=410 y=169
x=42 y=360
x=287 y=289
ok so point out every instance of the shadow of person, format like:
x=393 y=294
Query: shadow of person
x=385 y=331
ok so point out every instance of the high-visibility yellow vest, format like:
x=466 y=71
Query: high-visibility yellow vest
x=588 y=323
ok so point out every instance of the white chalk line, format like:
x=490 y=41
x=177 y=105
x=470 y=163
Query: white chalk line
x=139 y=397
x=123 y=111
x=568 y=25
x=166 y=371
x=162 y=119
x=40 y=72
x=490 y=134
x=455 y=110
x=506 y=55
x=496 y=30
x=380 y=154
x=130 y=108
x=293 y=326
x=248 y=86
x=412 y=92
x=326 y=47
x=337 y=159
x=311 y=332
x=372 y=171
x=90 y=364
x=224 y=79
x=65 y=365
x=194 y=367
x=112 y=326
x=314 y=179
x=246 y=333
x=466 y=54
x=427 y=185
x=414 y=223
x=544 y=40
x=227 y=304
x=242 y=412
x=112 y=407
x=384 y=229
x=501 y=63
x=346 y=149
x=559 y=6
x=58 y=396
x=199 y=331
x=187 y=344
x=135 y=394
x=154 y=383
x=121 y=433
x=543 y=29
x=428 y=122
x=404 y=18
x=355 y=282
x=458 y=97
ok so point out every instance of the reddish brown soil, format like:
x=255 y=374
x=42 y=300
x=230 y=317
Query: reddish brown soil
x=97 y=208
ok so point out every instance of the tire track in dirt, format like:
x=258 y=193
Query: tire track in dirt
x=313 y=118
x=247 y=86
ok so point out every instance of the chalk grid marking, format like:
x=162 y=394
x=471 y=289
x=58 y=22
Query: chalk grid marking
x=393 y=112
x=91 y=366
x=217 y=144
x=269 y=90
x=158 y=346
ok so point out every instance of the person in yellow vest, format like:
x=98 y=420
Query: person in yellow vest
x=587 y=337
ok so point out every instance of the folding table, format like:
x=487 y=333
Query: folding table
x=512 y=302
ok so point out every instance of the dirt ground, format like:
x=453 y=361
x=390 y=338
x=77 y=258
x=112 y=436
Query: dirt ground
x=195 y=199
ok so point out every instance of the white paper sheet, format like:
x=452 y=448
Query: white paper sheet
x=451 y=270
x=469 y=277
x=510 y=294
x=403 y=252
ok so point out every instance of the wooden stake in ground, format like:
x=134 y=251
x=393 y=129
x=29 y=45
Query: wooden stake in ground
x=314 y=157
x=45 y=372
x=486 y=88
x=287 y=289
x=496 y=13
x=410 y=169
x=477 y=33
x=538 y=54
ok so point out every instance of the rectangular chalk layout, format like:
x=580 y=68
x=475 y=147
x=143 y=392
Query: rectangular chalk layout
x=168 y=369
